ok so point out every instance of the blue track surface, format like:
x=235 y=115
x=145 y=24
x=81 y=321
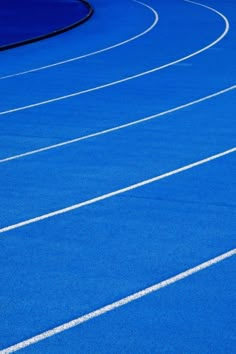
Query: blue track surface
x=126 y=64
x=26 y=19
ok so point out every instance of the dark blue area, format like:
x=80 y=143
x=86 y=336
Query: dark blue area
x=26 y=19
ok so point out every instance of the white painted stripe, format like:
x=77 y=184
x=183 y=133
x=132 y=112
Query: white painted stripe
x=114 y=193
x=138 y=295
x=119 y=127
x=93 y=53
x=130 y=77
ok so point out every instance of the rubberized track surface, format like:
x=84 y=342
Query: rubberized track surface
x=117 y=159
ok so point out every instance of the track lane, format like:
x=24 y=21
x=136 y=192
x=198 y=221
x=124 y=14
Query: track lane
x=172 y=226
x=87 y=76
x=174 y=317
x=201 y=213
x=58 y=179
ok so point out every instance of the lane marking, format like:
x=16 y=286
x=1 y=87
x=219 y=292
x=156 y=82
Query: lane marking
x=114 y=193
x=119 y=127
x=133 y=76
x=126 y=300
x=93 y=53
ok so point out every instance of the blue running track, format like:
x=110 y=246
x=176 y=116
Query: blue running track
x=118 y=170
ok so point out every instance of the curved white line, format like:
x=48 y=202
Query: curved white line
x=134 y=76
x=116 y=192
x=119 y=127
x=122 y=302
x=96 y=52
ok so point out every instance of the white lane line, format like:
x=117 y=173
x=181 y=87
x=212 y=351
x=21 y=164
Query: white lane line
x=130 y=77
x=119 y=127
x=114 y=193
x=126 y=300
x=93 y=53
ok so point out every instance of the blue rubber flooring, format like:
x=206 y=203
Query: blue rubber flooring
x=87 y=119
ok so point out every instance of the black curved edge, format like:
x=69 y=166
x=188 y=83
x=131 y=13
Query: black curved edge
x=54 y=33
